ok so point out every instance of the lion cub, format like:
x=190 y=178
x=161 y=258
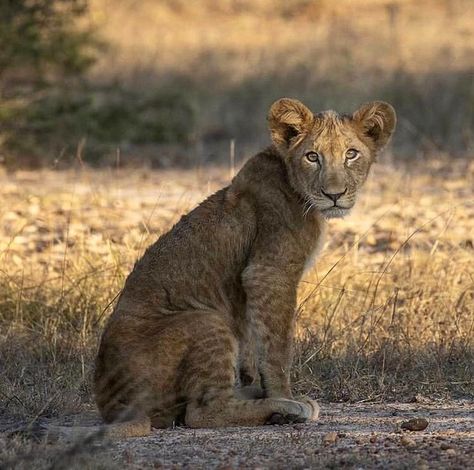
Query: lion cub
x=220 y=287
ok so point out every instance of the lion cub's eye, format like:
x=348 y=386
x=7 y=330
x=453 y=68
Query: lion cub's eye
x=352 y=154
x=313 y=157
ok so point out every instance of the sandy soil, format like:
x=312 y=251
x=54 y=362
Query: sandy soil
x=347 y=436
x=359 y=436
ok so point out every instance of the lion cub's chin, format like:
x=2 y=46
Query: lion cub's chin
x=335 y=212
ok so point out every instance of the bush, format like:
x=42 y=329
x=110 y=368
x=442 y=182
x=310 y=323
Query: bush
x=49 y=110
x=94 y=122
x=41 y=42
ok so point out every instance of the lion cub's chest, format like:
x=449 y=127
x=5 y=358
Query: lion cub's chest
x=317 y=248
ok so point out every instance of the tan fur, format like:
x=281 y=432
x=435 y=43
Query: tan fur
x=209 y=308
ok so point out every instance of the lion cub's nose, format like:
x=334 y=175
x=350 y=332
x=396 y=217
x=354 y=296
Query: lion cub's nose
x=334 y=196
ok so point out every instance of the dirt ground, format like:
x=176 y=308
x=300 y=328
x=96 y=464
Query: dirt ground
x=366 y=436
x=359 y=436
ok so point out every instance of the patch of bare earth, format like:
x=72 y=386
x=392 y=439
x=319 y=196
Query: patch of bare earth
x=346 y=436
x=352 y=435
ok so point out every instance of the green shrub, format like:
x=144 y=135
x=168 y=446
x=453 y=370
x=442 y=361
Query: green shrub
x=41 y=42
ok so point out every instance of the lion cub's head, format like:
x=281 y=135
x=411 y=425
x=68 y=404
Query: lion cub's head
x=328 y=155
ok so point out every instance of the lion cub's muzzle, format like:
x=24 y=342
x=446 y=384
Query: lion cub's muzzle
x=334 y=197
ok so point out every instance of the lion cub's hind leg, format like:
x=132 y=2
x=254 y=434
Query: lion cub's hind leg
x=235 y=412
x=208 y=380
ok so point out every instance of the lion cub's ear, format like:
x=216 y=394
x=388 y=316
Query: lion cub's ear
x=289 y=119
x=377 y=120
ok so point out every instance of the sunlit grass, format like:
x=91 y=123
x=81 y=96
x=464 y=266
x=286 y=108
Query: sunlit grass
x=387 y=312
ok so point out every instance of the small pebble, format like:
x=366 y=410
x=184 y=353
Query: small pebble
x=445 y=446
x=422 y=466
x=330 y=438
x=407 y=442
x=415 y=424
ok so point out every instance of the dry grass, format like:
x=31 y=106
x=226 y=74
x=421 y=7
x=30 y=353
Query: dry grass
x=387 y=312
x=180 y=79
x=231 y=59
x=236 y=40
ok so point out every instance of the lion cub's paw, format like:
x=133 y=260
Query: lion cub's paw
x=291 y=411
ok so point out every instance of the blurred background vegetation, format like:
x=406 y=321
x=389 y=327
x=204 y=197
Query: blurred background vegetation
x=172 y=82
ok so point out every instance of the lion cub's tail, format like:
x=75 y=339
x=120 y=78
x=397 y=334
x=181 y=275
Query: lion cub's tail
x=53 y=433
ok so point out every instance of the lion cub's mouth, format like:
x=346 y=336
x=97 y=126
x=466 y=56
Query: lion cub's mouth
x=335 y=212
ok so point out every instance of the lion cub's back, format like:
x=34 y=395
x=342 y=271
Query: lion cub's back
x=205 y=251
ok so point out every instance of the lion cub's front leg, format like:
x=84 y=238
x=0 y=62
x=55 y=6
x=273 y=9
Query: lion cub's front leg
x=271 y=303
x=248 y=360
